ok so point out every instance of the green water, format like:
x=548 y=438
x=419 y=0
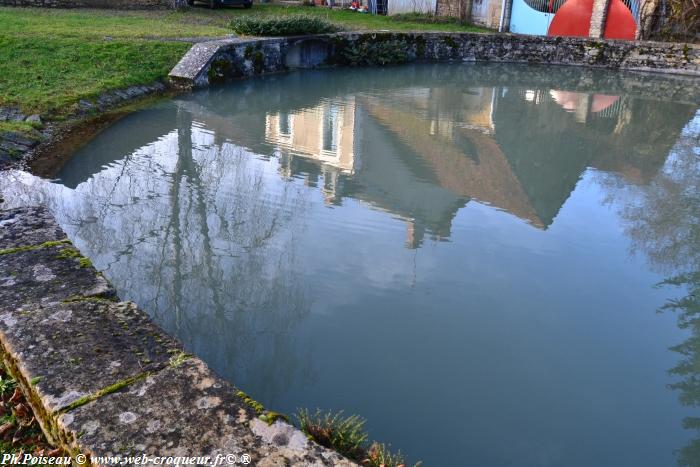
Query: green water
x=465 y=255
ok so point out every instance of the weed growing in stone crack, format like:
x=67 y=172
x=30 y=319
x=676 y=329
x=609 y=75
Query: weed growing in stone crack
x=379 y=455
x=178 y=359
x=347 y=436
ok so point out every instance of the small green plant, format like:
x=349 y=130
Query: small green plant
x=7 y=384
x=379 y=455
x=289 y=25
x=344 y=434
x=178 y=359
x=347 y=436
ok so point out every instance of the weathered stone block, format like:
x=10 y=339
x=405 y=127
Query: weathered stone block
x=186 y=410
x=73 y=350
x=46 y=274
x=27 y=226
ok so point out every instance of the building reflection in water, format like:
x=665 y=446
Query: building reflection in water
x=188 y=214
x=450 y=139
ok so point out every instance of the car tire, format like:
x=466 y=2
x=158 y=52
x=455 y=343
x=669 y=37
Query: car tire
x=190 y=2
x=247 y=4
x=212 y=4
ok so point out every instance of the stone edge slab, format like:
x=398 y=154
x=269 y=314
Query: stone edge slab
x=233 y=415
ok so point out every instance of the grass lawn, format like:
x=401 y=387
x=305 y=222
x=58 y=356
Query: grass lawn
x=50 y=59
x=350 y=20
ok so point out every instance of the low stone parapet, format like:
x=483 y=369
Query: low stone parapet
x=105 y=381
x=212 y=62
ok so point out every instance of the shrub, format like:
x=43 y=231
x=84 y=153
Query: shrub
x=374 y=53
x=289 y=25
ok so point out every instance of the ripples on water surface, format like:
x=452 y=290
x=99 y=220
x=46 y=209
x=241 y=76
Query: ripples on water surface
x=464 y=255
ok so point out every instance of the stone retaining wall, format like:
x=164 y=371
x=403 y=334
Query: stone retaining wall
x=217 y=61
x=103 y=380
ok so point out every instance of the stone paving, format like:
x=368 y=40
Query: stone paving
x=103 y=380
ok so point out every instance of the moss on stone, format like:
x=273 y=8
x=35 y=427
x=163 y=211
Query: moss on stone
x=258 y=61
x=420 y=46
x=104 y=391
x=271 y=417
x=82 y=298
x=255 y=405
x=20 y=249
x=219 y=70
x=450 y=42
x=248 y=53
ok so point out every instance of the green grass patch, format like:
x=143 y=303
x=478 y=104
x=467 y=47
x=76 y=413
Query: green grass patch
x=50 y=59
x=24 y=128
x=351 y=20
x=282 y=25
x=424 y=18
x=49 y=76
x=101 y=24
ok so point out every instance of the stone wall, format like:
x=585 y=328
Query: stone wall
x=448 y=8
x=107 y=4
x=218 y=61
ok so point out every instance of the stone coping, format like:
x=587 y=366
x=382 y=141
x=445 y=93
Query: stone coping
x=104 y=380
x=216 y=61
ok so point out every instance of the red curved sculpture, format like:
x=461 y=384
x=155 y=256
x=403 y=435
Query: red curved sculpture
x=574 y=18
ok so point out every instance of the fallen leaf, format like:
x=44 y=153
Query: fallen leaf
x=54 y=452
x=5 y=428
x=16 y=396
x=20 y=410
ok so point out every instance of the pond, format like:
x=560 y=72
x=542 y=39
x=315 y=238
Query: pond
x=494 y=265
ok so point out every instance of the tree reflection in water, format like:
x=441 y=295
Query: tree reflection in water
x=186 y=227
x=663 y=222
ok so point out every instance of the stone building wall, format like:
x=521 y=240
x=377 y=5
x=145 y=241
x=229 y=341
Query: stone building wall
x=484 y=12
x=487 y=13
x=448 y=8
